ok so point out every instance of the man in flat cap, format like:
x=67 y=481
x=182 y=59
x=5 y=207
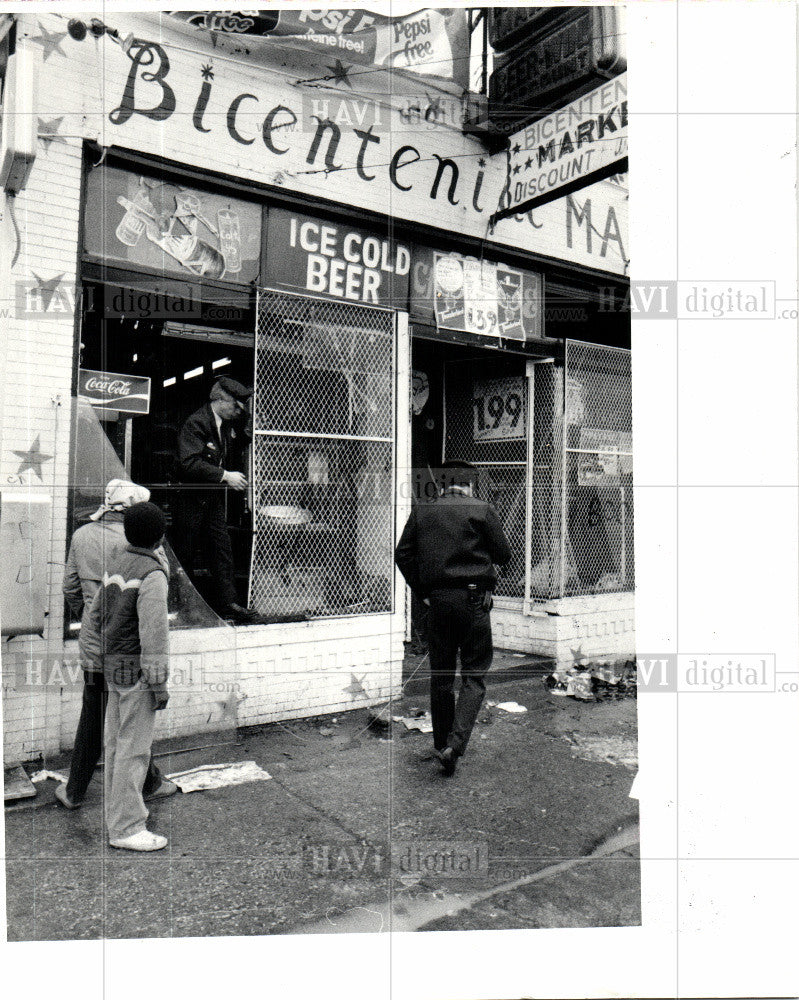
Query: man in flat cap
x=211 y=451
x=447 y=554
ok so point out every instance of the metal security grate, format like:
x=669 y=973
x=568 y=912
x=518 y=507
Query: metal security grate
x=486 y=424
x=323 y=457
x=598 y=469
x=560 y=477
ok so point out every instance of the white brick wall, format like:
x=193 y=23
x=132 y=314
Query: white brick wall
x=601 y=626
x=266 y=673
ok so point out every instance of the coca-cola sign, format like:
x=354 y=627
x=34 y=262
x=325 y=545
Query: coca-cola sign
x=112 y=391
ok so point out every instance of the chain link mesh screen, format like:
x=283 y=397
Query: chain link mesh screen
x=323 y=457
x=486 y=424
x=598 y=456
x=568 y=515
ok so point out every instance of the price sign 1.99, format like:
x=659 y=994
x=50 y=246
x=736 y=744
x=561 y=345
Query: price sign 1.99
x=499 y=409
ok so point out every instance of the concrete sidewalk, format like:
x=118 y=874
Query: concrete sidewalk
x=350 y=822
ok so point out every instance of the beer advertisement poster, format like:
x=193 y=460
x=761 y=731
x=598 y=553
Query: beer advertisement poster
x=170 y=228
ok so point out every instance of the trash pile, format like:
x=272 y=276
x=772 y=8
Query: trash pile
x=595 y=681
x=380 y=719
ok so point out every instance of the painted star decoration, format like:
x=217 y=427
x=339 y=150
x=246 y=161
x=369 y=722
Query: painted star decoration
x=33 y=458
x=48 y=131
x=50 y=41
x=577 y=654
x=47 y=288
x=207 y=72
x=339 y=73
x=355 y=687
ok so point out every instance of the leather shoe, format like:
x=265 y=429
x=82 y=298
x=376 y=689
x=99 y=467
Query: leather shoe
x=240 y=615
x=449 y=761
x=64 y=799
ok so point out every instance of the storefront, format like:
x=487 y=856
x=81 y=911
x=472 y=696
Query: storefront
x=379 y=345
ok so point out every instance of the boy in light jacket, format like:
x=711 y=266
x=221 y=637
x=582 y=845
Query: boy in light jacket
x=130 y=615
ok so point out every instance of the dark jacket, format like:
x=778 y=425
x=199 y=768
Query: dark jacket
x=201 y=451
x=129 y=612
x=451 y=542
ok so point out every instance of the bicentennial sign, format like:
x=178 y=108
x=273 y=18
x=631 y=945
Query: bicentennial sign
x=568 y=150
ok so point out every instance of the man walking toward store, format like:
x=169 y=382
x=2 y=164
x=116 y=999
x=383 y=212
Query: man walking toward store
x=211 y=449
x=447 y=554
x=94 y=546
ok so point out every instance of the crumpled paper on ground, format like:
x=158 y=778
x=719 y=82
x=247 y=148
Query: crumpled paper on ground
x=508 y=706
x=44 y=775
x=201 y=779
x=422 y=722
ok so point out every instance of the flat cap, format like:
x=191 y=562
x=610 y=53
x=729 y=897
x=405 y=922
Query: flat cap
x=234 y=388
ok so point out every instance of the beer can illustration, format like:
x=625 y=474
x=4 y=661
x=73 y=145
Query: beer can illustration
x=132 y=224
x=230 y=239
x=206 y=261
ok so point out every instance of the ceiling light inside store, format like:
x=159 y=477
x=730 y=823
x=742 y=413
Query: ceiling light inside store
x=169 y=381
x=220 y=363
x=193 y=373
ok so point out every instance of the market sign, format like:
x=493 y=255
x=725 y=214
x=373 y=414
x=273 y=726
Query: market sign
x=141 y=220
x=112 y=391
x=456 y=292
x=306 y=254
x=568 y=150
x=499 y=410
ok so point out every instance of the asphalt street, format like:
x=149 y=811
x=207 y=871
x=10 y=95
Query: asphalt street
x=356 y=830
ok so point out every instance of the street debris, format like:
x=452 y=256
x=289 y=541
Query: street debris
x=326 y=731
x=379 y=718
x=594 y=681
x=621 y=751
x=201 y=779
x=45 y=775
x=17 y=784
x=508 y=706
x=422 y=722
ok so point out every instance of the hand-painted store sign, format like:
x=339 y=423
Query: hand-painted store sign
x=325 y=258
x=565 y=151
x=112 y=391
x=174 y=229
x=198 y=106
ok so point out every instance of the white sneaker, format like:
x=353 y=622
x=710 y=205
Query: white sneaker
x=141 y=841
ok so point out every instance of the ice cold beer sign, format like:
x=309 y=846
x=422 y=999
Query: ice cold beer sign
x=324 y=258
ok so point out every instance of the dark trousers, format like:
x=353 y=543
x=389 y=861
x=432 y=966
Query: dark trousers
x=89 y=740
x=457 y=622
x=201 y=521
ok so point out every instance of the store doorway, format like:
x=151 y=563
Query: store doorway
x=182 y=361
